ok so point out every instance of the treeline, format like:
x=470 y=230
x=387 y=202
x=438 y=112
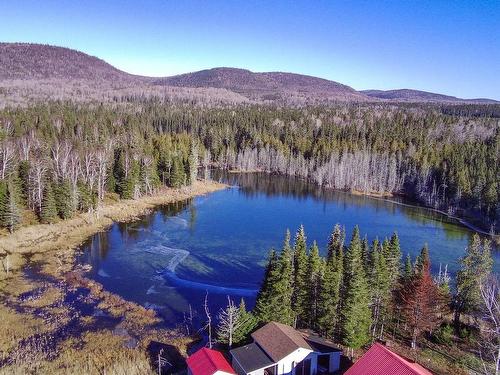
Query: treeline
x=361 y=292
x=52 y=172
x=444 y=159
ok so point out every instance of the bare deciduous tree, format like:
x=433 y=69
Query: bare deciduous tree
x=490 y=329
x=229 y=322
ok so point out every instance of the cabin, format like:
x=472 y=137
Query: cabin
x=379 y=360
x=208 y=362
x=278 y=349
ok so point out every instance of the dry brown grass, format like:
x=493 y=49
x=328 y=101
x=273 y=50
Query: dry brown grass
x=51 y=247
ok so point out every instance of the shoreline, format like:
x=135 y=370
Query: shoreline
x=386 y=196
x=68 y=234
x=48 y=300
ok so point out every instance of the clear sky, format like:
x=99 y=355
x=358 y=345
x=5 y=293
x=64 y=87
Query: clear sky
x=451 y=47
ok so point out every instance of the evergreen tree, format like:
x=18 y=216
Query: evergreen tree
x=420 y=297
x=263 y=301
x=329 y=296
x=336 y=242
x=10 y=215
x=48 y=213
x=177 y=175
x=408 y=270
x=24 y=181
x=4 y=201
x=301 y=279
x=366 y=255
x=393 y=258
x=314 y=272
x=87 y=199
x=476 y=266
x=64 y=202
x=193 y=163
x=274 y=298
x=356 y=314
x=246 y=325
x=380 y=288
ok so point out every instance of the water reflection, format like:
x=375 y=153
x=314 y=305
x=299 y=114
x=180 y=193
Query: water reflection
x=253 y=185
x=168 y=260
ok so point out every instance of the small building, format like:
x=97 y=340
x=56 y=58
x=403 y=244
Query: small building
x=279 y=349
x=208 y=362
x=379 y=360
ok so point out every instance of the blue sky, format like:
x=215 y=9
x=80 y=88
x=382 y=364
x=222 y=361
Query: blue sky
x=451 y=47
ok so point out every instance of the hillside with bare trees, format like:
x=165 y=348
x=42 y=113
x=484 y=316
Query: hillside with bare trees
x=34 y=73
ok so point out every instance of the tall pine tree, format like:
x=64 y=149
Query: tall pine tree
x=315 y=272
x=356 y=314
x=301 y=279
x=476 y=265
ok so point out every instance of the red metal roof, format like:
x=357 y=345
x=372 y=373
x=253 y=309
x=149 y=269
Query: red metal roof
x=207 y=362
x=379 y=360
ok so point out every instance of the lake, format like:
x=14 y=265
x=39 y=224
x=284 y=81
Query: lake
x=218 y=244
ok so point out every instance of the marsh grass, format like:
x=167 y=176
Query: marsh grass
x=43 y=332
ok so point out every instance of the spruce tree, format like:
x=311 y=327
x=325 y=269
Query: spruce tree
x=336 y=241
x=356 y=314
x=282 y=290
x=329 y=297
x=246 y=325
x=476 y=265
x=193 y=163
x=301 y=279
x=177 y=174
x=4 y=199
x=10 y=213
x=393 y=258
x=263 y=301
x=421 y=300
x=24 y=182
x=274 y=298
x=64 y=199
x=48 y=214
x=366 y=254
x=314 y=272
x=408 y=270
x=380 y=288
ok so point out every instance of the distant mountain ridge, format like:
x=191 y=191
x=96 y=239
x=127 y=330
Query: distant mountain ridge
x=265 y=85
x=418 y=95
x=44 y=71
x=37 y=61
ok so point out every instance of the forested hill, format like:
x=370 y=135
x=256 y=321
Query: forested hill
x=34 y=73
x=270 y=85
x=406 y=95
x=26 y=61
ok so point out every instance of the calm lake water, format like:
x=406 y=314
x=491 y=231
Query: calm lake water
x=218 y=243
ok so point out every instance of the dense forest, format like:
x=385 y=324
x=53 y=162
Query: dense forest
x=363 y=292
x=58 y=159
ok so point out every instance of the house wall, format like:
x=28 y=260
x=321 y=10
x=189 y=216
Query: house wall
x=285 y=365
x=313 y=356
x=334 y=361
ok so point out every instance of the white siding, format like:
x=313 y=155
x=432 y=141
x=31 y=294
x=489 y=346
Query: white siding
x=285 y=365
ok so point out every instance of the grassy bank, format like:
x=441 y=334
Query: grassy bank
x=55 y=320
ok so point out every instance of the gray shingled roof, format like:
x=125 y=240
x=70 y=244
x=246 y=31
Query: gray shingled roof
x=251 y=357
